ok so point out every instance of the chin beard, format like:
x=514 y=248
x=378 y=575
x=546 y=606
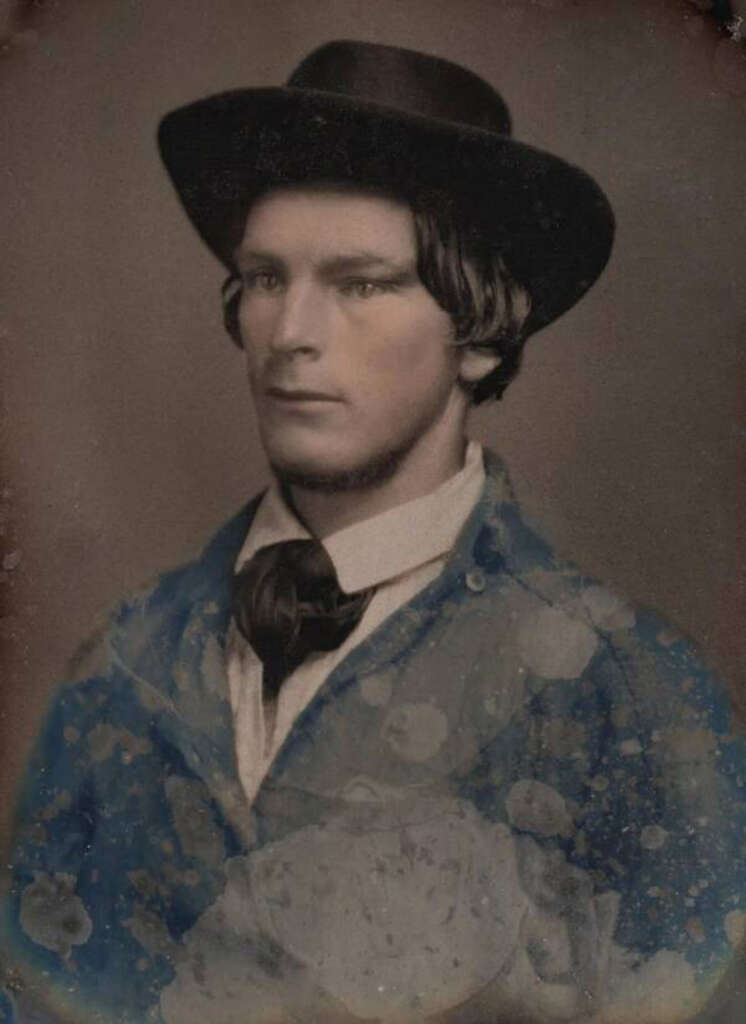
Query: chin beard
x=367 y=476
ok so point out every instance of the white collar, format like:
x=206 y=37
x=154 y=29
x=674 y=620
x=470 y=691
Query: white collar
x=384 y=546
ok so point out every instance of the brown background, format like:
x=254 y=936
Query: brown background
x=128 y=435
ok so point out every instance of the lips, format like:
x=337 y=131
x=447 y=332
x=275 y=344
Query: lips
x=300 y=395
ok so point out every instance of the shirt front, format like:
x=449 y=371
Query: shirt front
x=399 y=552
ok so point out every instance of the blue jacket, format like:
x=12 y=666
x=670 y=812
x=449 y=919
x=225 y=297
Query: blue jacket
x=518 y=796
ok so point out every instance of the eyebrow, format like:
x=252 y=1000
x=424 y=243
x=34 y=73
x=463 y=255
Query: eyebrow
x=345 y=262
x=364 y=260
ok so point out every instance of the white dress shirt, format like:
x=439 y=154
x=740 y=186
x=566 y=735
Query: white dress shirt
x=399 y=552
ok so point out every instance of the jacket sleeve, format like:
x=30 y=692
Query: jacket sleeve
x=73 y=933
x=666 y=810
x=44 y=918
x=624 y=789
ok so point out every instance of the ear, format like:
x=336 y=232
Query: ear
x=231 y=296
x=476 y=363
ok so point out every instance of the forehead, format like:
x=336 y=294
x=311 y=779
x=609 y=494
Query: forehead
x=328 y=218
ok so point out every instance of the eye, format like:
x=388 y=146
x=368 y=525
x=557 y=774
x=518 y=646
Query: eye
x=263 y=280
x=364 y=288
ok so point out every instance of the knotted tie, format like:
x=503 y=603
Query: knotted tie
x=287 y=602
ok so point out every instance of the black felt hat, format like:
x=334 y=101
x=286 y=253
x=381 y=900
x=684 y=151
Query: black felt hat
x=415 y=125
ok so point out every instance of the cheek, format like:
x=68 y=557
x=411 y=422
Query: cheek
x=256 y=323
x=408 y=352
x=255 y=334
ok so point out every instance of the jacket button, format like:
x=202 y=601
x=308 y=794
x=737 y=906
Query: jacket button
x=476 y=580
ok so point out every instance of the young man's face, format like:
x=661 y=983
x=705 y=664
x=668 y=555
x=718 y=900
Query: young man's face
x=351 y=361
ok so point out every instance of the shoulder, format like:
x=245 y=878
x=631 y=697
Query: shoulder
x=151 y=620
x=125 y=671
x=607 y=685
x=181 y=587
x=564 y=629
x=139 y=677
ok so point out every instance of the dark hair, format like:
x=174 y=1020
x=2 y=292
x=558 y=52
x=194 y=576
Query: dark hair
x=468 y=279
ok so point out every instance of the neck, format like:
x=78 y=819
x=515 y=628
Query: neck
x=424 y=468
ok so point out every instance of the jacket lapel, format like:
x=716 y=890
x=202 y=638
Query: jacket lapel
x=338 y=737
x=172 y=645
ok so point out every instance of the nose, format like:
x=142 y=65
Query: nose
x=301 y=321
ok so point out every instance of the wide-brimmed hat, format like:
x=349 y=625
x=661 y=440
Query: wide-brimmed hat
x=414 y=125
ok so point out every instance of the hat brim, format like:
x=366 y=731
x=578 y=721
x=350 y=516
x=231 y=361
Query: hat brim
x=551 y=221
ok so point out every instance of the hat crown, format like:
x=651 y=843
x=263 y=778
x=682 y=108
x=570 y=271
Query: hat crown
x=412 y=125
x=411 y=82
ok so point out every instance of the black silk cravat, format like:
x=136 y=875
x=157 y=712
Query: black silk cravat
x=287 y=602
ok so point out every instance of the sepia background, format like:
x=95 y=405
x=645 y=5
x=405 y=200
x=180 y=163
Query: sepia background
x=127 y=434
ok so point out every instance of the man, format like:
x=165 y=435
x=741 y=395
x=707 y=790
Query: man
x=377 y=754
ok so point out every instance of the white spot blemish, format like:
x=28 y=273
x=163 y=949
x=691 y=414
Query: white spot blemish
x=198 y=833
x=213 y=662
x=535 y=807
x=416 y=731
x=53 y=915
x=104 y=738
x=630 y=747
x=414 y=877
x=376 y=691
x=735 y=927
x=11 y=561
x=661 y=989
x=554 y=645
x=150 y=930
x=490 y=706
x=652 y=837
x=607 y=610
x=61 y=802
x=688 y=745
